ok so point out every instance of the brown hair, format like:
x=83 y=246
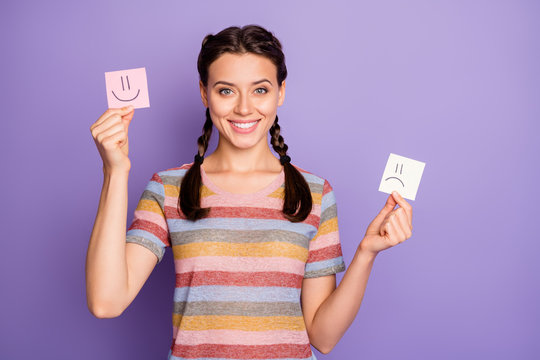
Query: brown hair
x=257 y=40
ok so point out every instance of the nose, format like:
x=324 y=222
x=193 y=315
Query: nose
x=243 y=105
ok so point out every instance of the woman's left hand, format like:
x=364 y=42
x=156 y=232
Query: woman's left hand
x=390 y=227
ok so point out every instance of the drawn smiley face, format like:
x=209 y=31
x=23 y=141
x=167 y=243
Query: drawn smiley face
x=126 y=92
x=396 y=173
x=127 y=87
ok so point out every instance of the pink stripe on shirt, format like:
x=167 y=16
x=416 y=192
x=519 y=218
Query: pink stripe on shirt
x=239 y=337
x=226 y=263
x=324 y=240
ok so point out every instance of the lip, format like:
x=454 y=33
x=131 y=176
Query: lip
x=244 y=121
x=245 y=131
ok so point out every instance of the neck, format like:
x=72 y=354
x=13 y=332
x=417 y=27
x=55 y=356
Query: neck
x=233 y=159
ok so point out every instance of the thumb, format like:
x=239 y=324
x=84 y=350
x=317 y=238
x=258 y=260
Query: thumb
x=125 y=110
x=388 y=207
x=127 y=116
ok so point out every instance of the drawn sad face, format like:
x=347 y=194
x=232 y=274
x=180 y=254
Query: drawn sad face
x=403 y=175
x=127 y=87
x=396 y=175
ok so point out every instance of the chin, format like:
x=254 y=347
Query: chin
x=246 y=144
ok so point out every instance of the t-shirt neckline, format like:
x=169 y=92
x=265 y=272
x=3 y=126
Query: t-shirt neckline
x=268 y=189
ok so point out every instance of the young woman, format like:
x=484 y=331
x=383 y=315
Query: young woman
x=255 y=238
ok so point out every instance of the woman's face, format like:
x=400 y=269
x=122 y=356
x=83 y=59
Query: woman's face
x=242 y=88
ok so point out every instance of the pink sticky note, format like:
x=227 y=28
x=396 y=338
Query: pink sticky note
x=127 y=87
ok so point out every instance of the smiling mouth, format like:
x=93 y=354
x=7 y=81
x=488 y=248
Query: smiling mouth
x=243 y=124
x=133 y=98
x=393 y=177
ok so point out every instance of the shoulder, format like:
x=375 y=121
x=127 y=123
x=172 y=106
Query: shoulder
x=172 y=175
x=310 y=176
x=176 y=170
x=317 y=183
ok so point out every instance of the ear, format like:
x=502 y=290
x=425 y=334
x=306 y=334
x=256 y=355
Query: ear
x=203 y=94
x=281 y=93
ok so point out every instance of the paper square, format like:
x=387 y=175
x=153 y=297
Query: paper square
x=127 y=87
x=402 y=175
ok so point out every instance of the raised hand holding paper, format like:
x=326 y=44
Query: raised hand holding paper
x=403 y=175
x=127 y=87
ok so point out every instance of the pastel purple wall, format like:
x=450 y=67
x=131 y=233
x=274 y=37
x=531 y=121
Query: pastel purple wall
x=455 y=84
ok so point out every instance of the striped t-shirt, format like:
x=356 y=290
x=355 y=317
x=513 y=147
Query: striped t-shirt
x=239 y=271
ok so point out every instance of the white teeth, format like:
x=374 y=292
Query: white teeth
x=244 y=125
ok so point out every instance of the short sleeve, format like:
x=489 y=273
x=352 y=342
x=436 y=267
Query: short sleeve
x=149 y=226
x=325 y=255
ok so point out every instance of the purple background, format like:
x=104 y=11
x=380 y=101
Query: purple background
x=455 y=84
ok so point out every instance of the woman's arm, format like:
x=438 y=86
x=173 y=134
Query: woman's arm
x=337 y=307
x=329 y=311
x=106 y=267
x=115 y=271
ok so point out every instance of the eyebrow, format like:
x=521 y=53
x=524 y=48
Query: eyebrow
x=231 y=84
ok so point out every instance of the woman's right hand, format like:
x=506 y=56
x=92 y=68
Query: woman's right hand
x=110 y=133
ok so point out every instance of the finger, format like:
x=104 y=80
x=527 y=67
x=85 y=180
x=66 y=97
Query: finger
x=391 y=233
x=111 y=141
x=126 y=119
x=390 y=203
x=107 y=115
x=113 y=120
x=112 y=130
x=400 y=233
x=110 y=111
x=405 y=205
x=385 y=222
x=128 y=116
x=403 y=222
x=388 y=207
x=383 y=229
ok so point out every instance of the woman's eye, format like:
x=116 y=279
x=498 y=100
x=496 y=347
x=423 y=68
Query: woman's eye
x=227 y=91
x=221 y=91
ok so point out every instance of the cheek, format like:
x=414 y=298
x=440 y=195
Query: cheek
x=220 y=107
x=267 y=108
x=268 y=105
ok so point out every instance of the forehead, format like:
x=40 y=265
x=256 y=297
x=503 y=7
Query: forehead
x=242 y=68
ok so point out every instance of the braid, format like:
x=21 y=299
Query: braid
x=207 y=132
x=278 y=143
x=297 y=191
x=189 y=197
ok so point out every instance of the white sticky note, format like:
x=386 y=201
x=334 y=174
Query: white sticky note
x=402 y=175
x=127 y=87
